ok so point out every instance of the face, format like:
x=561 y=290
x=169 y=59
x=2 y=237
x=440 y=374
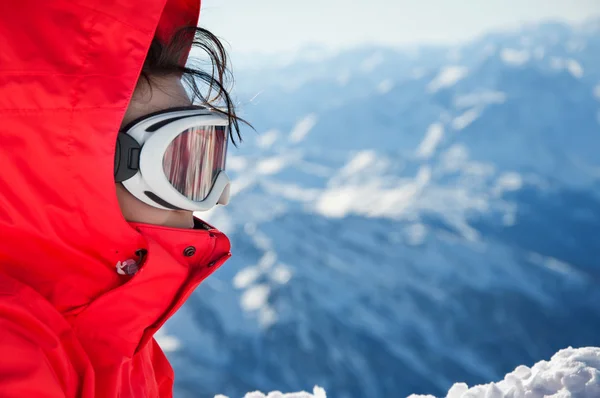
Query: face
x=162 y=93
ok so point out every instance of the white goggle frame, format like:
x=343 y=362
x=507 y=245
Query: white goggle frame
x=150 y=184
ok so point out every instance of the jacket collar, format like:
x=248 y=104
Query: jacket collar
x=177 y=260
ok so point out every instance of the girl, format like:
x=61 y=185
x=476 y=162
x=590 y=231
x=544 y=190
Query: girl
x=103 y=159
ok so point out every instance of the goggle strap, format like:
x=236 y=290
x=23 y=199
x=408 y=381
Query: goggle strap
x=127 y=157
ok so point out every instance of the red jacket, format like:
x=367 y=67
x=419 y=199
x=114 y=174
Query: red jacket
x=70 y=325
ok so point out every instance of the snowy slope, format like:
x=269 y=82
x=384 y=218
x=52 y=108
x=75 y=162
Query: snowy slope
x=404 y=220
x=571 y=373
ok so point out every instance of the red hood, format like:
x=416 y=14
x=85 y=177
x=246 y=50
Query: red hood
x=65 y=84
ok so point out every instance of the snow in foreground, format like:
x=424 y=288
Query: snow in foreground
x=317 y=393
x=571 y=373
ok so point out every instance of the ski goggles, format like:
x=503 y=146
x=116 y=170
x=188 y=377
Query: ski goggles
x=175 y=159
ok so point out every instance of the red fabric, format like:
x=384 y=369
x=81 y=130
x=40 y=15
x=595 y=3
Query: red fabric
x=70 y=326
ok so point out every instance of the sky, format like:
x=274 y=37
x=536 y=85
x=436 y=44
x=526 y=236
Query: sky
x=271 y=26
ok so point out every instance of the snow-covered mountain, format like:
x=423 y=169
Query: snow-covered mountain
x=405 y=219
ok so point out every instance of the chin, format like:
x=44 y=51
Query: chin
x=181 y=219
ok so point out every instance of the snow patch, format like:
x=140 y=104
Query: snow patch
x=454 y=158
x=479 y=99
x=271 y=166
x=267 y=317
x=571 y=65
x=509 y=218
x=268 y=260
x=571 y=373
x=255 y=297
x=462 y=121
x=263 y=242
x=318 y=392
x=508 y=182
x=236 y=163
x=337 y=202
x=372 y=62
x=423 y=176
x=245 y=277
x=447 y=77
x=267 y=139
x=291 y=192
x=575 y=68
x=385 y=86
x=372 y=198
x=511 y=56
x=281 y=274
x=166 y=342
x=360 y=161
x=303 y=127
x=434 y=135
x=554 y=264
x=241 y=183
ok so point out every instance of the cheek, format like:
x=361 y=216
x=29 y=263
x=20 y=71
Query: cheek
x=123 y=197
x=134 y=210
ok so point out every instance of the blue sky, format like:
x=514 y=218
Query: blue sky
x=268 y=26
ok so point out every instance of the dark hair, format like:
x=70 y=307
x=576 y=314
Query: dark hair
x=207 y=88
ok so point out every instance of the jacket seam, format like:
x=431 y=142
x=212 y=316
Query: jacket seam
x=88 y=47
x=45 y=73
x=103 y=13
x=46 y=109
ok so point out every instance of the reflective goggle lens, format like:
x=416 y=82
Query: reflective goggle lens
x=194 y=159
